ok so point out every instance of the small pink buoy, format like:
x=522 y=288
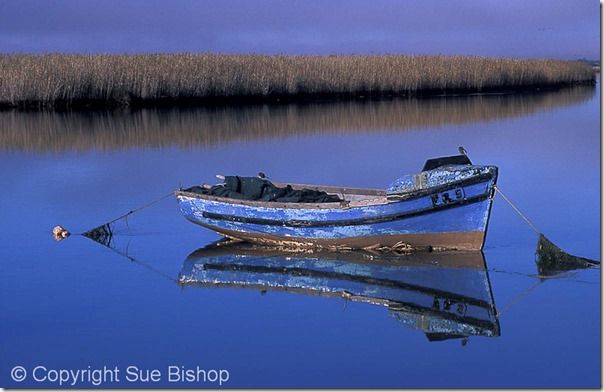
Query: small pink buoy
x=60 y=233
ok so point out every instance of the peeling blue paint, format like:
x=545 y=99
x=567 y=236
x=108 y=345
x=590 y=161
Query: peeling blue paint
x=468 y=213
x=439 y=176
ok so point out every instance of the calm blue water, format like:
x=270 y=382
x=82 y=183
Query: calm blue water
x=77 y=304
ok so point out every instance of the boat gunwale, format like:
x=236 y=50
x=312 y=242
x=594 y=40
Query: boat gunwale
x=388 y=199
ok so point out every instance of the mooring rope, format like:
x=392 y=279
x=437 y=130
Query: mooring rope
x=526 y=219
x=139 y=208
x=526 y=292
x=566 y=276
x=104 y=233
x=142 y=263
x=518 y=298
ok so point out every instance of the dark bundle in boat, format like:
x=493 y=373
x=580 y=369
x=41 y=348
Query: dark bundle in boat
x=261 y=189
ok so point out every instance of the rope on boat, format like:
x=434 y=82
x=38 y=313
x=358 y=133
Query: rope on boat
x=103 y=233
x=141 y=263
x=140 y=208
x=463 y=151
x=552 y=254
x=549 y=255
x=565 y=276
x=518 y=298
x=526 y=219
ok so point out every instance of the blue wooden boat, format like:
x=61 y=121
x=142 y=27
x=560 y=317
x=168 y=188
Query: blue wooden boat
x=444 y=207
x=443 y=294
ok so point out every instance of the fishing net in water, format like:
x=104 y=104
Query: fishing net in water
x=116 y=235
x=552 y=260
x=105 y=234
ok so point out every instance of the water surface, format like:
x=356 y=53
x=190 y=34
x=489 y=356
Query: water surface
x=76 y=304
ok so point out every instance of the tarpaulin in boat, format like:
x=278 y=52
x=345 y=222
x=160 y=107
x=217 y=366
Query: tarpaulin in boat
x=260 y=189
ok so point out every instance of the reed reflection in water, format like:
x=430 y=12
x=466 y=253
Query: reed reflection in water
x=206 y=126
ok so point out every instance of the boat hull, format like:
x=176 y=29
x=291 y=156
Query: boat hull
x=454 y=217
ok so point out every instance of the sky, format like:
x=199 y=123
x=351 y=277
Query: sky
x=565 y=29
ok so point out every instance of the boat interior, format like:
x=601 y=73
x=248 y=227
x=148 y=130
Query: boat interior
x=251 y=190
x=361 y=196
x=351 y=197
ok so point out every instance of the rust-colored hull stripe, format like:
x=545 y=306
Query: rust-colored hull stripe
x=467 y=240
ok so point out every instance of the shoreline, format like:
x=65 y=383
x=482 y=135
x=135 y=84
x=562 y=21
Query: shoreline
x=217 y=101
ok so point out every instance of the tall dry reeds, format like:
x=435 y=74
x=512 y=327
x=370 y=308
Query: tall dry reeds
x=45 y=80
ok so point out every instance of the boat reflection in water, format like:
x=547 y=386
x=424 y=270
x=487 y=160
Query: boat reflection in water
x=445 y=295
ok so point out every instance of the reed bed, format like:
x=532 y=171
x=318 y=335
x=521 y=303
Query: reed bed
x=70 y=131
x=69 y=80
